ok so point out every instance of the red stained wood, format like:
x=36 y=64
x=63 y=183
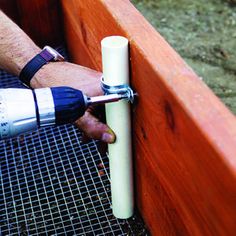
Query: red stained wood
x=184 y=137
x=10 y=8
x=42 y=21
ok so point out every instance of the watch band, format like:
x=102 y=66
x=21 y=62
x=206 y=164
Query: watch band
x=29 y=70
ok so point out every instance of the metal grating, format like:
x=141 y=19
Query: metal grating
x=52 y=183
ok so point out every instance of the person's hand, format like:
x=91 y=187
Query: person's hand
x=23 y=49
x=82 y=78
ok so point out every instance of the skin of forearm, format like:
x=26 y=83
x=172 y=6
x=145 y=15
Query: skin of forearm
x=16 y=48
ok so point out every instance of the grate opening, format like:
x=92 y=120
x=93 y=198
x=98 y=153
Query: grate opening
x=52 y=183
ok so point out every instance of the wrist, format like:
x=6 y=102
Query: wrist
x=15 y=60
x=44 y=76
x=34 y=65
x=23 y=57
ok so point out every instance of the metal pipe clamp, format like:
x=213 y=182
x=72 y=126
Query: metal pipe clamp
x=123 y=89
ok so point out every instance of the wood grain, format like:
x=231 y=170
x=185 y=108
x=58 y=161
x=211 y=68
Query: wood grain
x=184 y=137
x=41 y=19
x=10 y=8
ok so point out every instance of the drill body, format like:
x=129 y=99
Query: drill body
x=23 y=110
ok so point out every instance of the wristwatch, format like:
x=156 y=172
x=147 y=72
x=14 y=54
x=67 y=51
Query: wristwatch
x=46 y=55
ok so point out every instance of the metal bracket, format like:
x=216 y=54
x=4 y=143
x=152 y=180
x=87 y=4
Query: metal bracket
x=119 y=89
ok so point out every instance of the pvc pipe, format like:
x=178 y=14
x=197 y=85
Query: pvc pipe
x=115 y=61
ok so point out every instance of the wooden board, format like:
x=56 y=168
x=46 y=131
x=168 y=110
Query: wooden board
x=40 y=19
x=10 y=8
x=184 y=137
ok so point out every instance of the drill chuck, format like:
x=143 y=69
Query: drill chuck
x=70 y=104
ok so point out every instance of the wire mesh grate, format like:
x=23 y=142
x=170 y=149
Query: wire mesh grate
x=52 y=183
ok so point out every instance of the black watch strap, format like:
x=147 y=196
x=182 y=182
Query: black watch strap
x=34 y=65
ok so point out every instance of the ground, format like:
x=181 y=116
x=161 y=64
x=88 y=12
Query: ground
x=204 y=34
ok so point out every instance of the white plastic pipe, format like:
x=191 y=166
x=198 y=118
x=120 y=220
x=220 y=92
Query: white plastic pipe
x=115 y=60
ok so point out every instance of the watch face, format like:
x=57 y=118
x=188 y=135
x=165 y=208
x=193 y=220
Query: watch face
x=56 y=55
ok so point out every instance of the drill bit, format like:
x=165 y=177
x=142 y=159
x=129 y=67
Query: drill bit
x=105 y=99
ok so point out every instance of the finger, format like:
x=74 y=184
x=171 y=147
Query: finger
x=98 y=111
x=95 y=129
